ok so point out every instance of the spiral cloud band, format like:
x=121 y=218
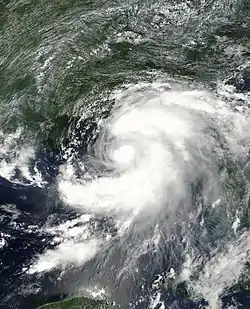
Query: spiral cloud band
x=153 y=146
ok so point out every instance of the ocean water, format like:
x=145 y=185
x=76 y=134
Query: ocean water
x=124 y=152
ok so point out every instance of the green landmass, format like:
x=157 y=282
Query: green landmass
x=243 y=283
x=78 y=303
